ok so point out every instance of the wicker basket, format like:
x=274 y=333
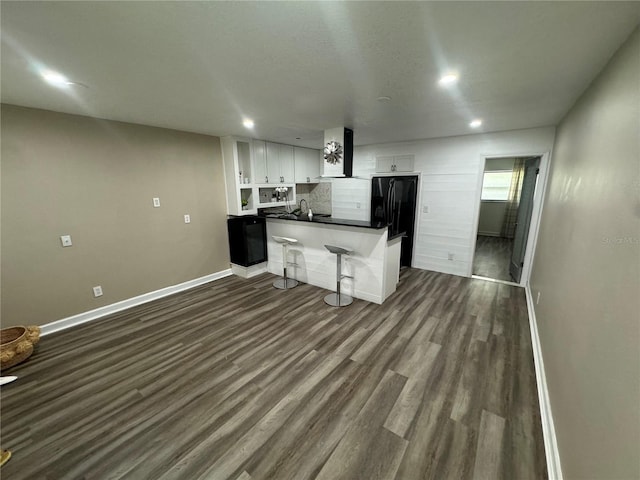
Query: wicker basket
x=16 y=344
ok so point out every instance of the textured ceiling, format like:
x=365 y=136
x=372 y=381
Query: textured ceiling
x=298 y=68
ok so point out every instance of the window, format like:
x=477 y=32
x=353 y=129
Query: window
x=495 y=185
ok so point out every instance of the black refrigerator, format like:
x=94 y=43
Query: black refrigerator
x=393 y=201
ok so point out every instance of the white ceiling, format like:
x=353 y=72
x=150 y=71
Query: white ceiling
x=298 y=68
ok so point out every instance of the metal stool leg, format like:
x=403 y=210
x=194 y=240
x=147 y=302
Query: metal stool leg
x=285 y=282
x=337 y=299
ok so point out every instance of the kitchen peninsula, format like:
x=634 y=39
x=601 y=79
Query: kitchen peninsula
x=373 y=266
x=261 y=177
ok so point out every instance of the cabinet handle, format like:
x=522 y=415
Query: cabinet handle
x=266 y=179
x=308 y=180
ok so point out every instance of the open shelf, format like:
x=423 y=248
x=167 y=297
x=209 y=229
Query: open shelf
x=246 y=196
x=267 y=194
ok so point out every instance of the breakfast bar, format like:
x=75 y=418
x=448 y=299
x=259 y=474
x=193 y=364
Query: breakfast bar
x=372 y=270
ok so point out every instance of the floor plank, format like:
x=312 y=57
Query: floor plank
x=492 y=257
x=488 y=453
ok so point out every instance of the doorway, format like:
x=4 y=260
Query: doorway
x=506 y=206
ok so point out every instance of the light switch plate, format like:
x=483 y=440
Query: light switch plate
x=97 y=291
x=66 y=240
x=156 y=202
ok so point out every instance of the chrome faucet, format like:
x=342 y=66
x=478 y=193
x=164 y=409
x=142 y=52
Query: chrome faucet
x=306 y=205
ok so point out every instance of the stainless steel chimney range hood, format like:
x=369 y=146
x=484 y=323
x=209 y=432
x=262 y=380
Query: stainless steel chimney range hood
x=338 y=153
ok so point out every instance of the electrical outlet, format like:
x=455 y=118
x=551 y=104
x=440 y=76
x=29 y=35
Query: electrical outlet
x=97 y=291
x=425 y=209
x=66 y=240
x=187 y=219
x=538 y=298
x=156 y=202
x=450 y=256
x=357 y=204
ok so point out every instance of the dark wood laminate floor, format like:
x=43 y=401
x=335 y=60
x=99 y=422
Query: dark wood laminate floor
x=237 y=380
x=492 y=257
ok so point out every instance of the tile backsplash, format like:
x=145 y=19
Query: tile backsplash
x=317 y=196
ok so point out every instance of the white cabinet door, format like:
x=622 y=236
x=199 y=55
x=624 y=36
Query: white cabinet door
x=280 y=168
x=307 y=165
x=301 y=160
x=260 y=173
x=287 y=169
x=273 y=162
x=236 y=156
x=384 y=164
x=403 y=163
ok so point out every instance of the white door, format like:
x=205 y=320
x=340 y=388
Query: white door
x=523 y=220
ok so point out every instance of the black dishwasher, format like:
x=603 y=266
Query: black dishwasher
x=247 y=240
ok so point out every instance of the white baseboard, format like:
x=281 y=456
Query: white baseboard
x=91 y=315
x=554 y=467
x=248 y=272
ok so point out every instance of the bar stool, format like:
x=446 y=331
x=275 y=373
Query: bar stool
x=338 y=299
x=284 y=282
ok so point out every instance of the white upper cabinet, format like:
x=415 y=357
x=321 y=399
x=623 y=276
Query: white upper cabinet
x=280 y=166
x=273 y=163
x=396 y=163
x=287 y=168
x=404 y=163
x=307 y=165
x=253 y=169
x=260 y=174
x=236 y=156
x=384 y=164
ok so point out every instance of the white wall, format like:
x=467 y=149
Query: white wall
x=491 y=217
x=450 y=188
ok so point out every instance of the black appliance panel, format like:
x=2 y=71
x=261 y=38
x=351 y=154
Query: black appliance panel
x=247 y=240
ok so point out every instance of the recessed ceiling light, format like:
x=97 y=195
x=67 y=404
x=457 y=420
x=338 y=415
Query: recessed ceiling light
x=448 y=79
x=56 y=79
x=383 y=99
x=475 y=123
x=248 y=123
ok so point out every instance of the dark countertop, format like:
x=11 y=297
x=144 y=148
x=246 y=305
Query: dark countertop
x=328 y=220
x=401 y=234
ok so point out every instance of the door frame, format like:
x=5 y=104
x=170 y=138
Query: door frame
x=536 y=214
